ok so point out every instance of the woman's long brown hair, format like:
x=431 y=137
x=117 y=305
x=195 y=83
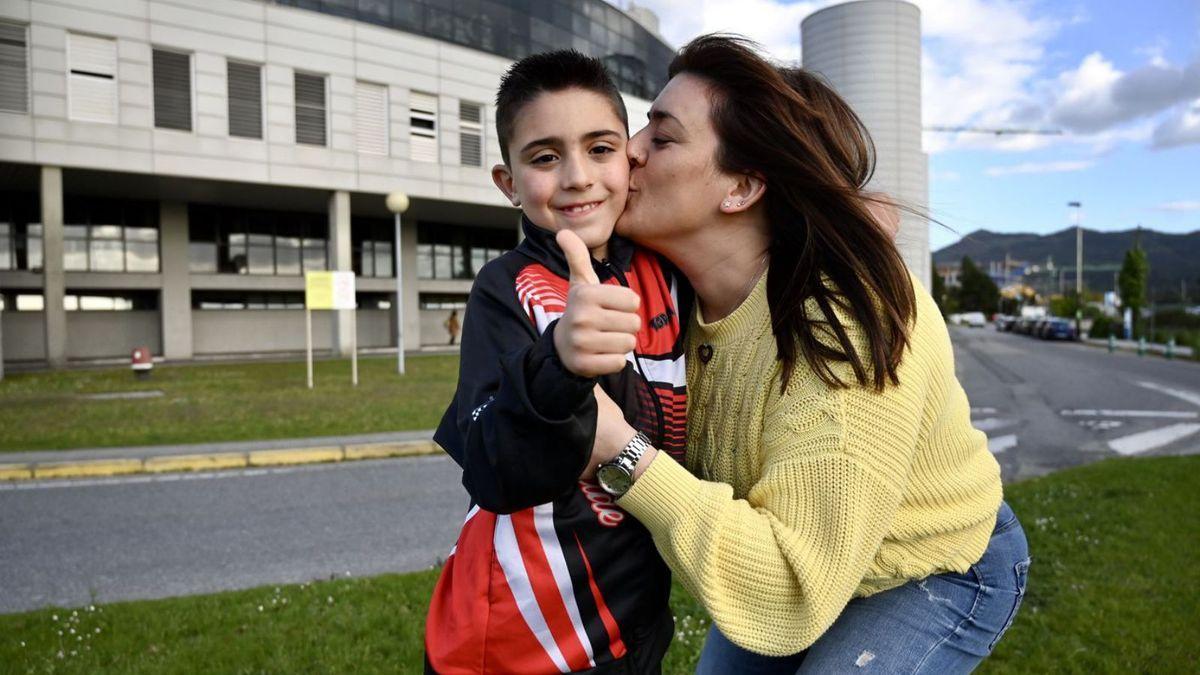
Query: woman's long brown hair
x=815 y=155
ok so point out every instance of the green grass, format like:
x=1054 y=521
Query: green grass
x=222 y=402
x=1112 y=590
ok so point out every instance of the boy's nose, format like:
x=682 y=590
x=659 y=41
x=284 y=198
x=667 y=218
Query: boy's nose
x=575 y=175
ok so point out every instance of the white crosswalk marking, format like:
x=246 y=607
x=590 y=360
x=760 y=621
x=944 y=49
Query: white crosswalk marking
x=1135 y=444
x=1165 y=414
x=1001 y=443
x=1182 y=394
x=992 y=423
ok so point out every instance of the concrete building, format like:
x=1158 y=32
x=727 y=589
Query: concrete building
x=169 y=169
x=870 y=52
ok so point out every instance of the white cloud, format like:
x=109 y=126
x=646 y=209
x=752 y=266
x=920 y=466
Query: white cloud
x=1179 y=206
x=984 y=65
x=1180 y=128
x=1041 y=167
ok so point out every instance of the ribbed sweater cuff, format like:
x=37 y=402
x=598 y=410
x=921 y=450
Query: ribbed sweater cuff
x=664 y=494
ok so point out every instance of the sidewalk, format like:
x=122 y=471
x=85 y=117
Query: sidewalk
x=209 y=456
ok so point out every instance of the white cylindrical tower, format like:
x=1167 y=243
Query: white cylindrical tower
x=870 y=51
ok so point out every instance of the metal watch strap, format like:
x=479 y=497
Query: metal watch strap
x=624 y=463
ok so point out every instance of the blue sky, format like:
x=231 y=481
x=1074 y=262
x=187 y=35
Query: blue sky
x=1121 y=79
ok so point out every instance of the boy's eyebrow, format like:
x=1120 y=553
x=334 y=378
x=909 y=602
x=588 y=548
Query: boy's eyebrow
x=555 y=140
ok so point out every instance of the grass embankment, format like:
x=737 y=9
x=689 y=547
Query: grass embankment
x=221 y=402
x=1113 y=589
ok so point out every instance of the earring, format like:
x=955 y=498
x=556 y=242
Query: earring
x=725 y=203
x=742 y=203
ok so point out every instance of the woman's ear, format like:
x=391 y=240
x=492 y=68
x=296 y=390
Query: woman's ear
x=746 y=192
x=503 y=179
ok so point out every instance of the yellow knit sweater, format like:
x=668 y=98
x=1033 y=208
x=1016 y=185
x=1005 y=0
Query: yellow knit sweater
x=792 y=504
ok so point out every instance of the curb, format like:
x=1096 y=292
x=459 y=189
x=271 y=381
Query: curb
x=215 y=461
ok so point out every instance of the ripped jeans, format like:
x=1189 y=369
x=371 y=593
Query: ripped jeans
x=946 y=623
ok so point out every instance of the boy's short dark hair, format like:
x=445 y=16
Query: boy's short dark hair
x=550 y=72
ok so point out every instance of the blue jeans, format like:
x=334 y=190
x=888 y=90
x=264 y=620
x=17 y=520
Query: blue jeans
x=946 y=623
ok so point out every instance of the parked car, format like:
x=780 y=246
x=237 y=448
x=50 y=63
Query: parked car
x=972 y=319
x=1058 y=329
x=1004 y=323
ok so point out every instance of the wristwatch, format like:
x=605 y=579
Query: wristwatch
x=616 y=475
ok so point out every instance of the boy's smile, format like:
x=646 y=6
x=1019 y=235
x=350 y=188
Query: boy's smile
x=568 y=165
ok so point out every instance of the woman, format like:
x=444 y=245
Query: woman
x=837 y=510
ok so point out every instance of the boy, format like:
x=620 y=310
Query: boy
x=548 y=574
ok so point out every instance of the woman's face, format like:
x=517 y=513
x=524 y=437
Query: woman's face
x=675 y=186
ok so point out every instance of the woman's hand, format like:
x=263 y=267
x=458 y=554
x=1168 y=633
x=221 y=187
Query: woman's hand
x=613 y=433
x=600 y=324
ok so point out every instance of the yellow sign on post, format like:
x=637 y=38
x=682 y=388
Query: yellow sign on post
x=330 y=290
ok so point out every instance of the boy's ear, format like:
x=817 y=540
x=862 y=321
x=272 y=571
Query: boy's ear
x=503 y=178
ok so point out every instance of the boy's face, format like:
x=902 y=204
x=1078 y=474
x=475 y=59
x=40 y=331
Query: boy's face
x=568 y=169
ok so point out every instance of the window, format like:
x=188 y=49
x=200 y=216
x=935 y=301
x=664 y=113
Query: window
x=370 y=118
x=20 y=232
x=470 y=133
x=14 y=68
x=371 y=246
x=210 y=300
x=172 y=90
x=229 y=240
x=423 y=127
x=245 y=99
x=442 y=301
x=105 y=301
x=108 y=235
x=457 y=251
x=92 y=78
x=310 y=109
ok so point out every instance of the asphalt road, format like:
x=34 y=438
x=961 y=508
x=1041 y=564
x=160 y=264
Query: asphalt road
x=1044 y=406
x=1050 y=405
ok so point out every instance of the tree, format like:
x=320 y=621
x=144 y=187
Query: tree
x=939 y=290
x=978 y=292
x=1135 y=273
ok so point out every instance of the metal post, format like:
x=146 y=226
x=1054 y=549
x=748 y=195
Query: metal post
x=308 y=342
x=397 y=252
x=354 y=347
x=1078 y=263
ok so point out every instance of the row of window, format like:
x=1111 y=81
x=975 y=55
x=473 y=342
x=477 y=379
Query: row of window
x=113 y=235
x=92 y=91
x=127 y=301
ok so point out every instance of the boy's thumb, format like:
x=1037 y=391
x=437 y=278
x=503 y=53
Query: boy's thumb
x=579 y=261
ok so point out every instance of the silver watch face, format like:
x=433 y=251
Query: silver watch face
x=614 y=479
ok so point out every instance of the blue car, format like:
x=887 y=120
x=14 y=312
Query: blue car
x=1057 y=329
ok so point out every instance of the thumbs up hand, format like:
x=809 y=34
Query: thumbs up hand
x=601 y=322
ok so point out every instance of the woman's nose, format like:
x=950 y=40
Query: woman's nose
x=636 y=149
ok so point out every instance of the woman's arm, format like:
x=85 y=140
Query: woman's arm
x=776 y=568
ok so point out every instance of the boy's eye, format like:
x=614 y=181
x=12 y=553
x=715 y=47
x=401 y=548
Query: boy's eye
x=659 y=142
x=543 y=158
x=603 y=149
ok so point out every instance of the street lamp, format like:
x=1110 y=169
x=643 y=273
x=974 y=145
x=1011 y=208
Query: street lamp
x=397 y=203
x=1078 y=218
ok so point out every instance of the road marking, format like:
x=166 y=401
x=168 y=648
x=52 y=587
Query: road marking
x=1169 y=414
x=1138 y=443
x=999 y=444
x=1102 y=425
x=983 y=411
x=992 y=423
x=1189 y=396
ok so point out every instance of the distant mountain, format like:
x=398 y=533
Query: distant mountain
x=1173 y=257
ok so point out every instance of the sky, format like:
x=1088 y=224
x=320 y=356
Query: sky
x=1120 y=79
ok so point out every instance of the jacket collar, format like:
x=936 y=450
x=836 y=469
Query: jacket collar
x=539 y=244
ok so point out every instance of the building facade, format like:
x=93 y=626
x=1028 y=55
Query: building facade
x=170 y=169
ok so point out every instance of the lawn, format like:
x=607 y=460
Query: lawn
x=221 y=402
x=1112 y=590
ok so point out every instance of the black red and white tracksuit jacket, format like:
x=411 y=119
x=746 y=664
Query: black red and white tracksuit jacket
x=548 y=574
